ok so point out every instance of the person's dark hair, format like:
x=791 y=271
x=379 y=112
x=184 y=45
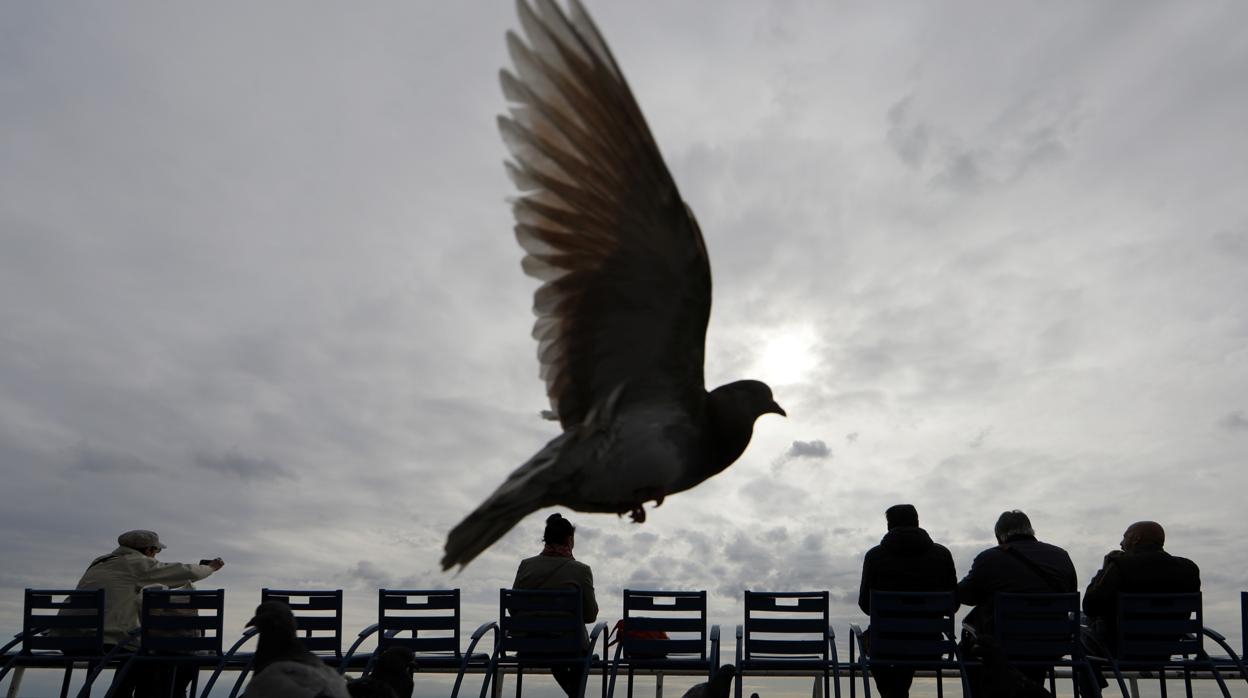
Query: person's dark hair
x=558 y=530
x=1012 y=523
x=901 y=515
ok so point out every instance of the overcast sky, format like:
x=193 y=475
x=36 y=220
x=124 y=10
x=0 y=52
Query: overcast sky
x=259 y=290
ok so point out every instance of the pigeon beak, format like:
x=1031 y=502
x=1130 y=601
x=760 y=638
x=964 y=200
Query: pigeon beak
x=776 y=409
x=251 y=623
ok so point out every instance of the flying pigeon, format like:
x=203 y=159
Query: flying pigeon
x=625 y=295
x=284 y=669
x=720 y=685
x=390 y=678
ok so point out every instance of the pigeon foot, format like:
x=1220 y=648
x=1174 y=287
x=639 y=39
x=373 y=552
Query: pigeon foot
x=638 y=515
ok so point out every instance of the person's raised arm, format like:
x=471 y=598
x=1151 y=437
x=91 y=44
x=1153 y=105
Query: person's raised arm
x=173 y=574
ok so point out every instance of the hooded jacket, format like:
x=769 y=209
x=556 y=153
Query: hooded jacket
x=906 y=560
x=122 y=574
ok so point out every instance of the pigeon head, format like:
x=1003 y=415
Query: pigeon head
x=273 y=618
x=732 y=410
x=397 y=660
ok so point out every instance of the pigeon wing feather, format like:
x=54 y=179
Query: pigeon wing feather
x=626 y=287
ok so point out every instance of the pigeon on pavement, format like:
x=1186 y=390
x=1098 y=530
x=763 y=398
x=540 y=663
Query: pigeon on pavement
x=390 y=678
x=284 y=668
x=720 y=685
x=626 y=294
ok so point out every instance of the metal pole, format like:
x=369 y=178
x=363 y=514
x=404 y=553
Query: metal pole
x=16 y=682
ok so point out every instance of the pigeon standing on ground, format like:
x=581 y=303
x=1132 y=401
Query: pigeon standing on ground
x=284 y=668
x=391 y=676
x=720 y=685
x=625 y=299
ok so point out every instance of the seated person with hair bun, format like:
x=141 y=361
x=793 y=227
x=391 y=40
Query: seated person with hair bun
x=555 y=568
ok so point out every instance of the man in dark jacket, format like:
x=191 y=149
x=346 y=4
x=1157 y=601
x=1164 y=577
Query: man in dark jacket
x=1141 y=567
x=905 y=560
x=1018 y=564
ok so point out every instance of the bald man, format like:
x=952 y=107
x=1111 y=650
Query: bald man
x=1141 y=567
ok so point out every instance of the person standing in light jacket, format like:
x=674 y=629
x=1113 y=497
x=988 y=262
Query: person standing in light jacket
x=123 y=574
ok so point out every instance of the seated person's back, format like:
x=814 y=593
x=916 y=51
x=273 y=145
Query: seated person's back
x=1142 y=566
x=555 y=568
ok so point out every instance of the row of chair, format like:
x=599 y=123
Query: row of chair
x=788 y=632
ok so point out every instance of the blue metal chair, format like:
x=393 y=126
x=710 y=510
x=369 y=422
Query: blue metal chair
x=542 y=628
x=318 y=617
x=679 y=620
x=179 y=628
x=910 y=629
x=427 y=622
x=1153 y=629
x=60 y=627
x=788 y=631
x=1042 y=630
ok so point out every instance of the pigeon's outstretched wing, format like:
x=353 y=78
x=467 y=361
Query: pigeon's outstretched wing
x=627 y=285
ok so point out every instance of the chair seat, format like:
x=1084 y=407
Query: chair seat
x=664 y=663
x=449 y=661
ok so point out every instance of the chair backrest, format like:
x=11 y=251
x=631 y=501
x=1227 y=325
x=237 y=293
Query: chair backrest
x=318 y=617
x=177 y=621
x=75 y=617
x=785 y=625
x=1154 y=626
x=1037 y=625
x=650 y=615
x=545 y=621
x=912 y=624
x=425 y=621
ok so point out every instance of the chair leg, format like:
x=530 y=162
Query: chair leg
x=69 y=670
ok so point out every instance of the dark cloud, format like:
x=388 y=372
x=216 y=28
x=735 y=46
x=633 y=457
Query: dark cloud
x=809 y=449
x=95 y=460
x=244 y=467
x=1234 y=421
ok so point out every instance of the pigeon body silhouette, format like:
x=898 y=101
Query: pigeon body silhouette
x=284 y=668
x=720 y=685
x=390 y=678
x=625 y=299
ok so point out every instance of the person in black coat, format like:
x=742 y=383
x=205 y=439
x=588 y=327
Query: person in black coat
x=1140 y=567
x=1017 y=564
x=905 y=560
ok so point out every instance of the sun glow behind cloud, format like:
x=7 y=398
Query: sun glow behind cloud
x=788 y=356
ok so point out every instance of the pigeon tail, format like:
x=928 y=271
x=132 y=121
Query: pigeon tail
x=525 y=491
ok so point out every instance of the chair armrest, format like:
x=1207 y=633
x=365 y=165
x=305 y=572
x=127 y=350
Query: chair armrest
x=858 y=641
x=740 y=647
x=12 y=643
x=482 y=630
x=600 y=628
x=247 y=635
x=346 y=658
x=1226 y=646
x=715 y=644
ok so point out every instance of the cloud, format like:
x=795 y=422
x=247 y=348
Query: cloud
x=103 y=462
x=809 y=449
x=1234 y=421
x=245 y=467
